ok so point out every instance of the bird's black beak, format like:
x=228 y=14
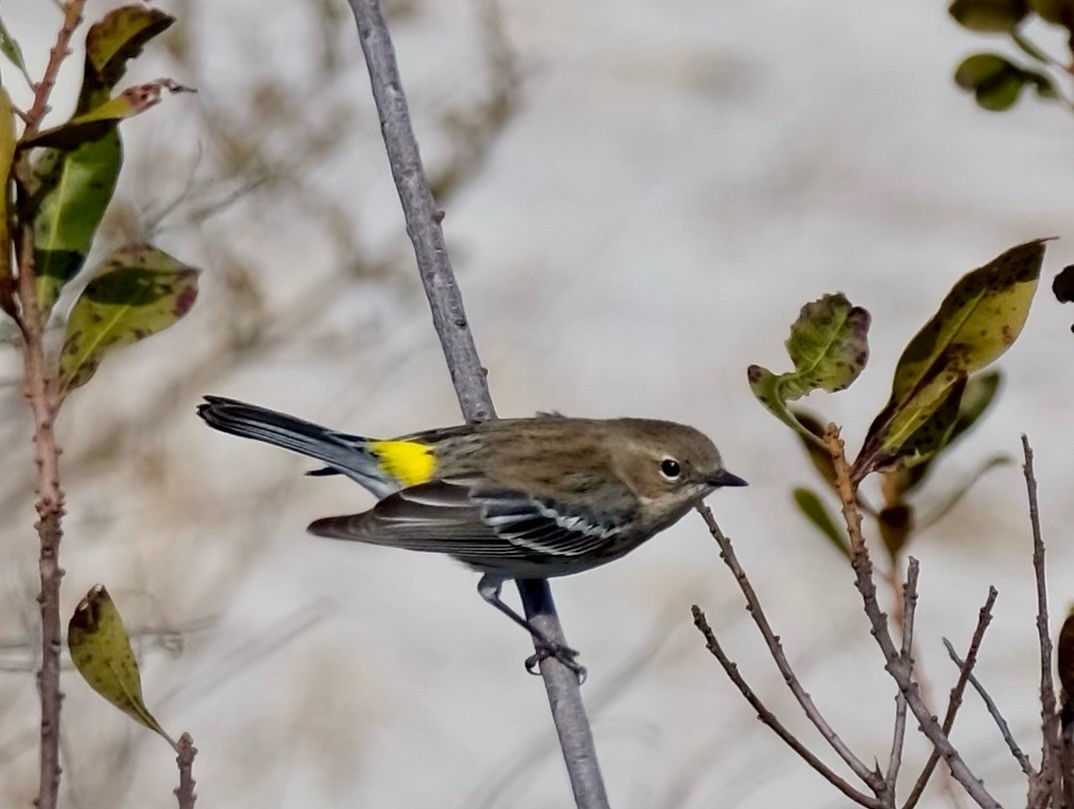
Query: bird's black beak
x=725 y=478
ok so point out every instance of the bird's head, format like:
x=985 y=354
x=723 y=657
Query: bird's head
x=669 y=465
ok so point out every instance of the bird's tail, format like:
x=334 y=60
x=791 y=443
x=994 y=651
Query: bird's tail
x=348 y=454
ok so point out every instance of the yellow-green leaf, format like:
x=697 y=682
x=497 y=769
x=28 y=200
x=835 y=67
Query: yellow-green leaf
x=923 y=425
x=112 y=42
x=9 y=46
x=980 y=392
x=100 y=120
x=139 y=291
x=7 y=157
x=72 y=187
x=814 y=510
x=101 y=651
x=818 y=455
x=977 y=322
x=829 y=347
x=988 y=16
x=996 y=81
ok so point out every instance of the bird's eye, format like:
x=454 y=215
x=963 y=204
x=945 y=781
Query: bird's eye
x=670 y=468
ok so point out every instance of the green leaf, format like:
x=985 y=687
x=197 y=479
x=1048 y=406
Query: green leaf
x=828 y=346
x=138 y=292
x=820 y=457
x=988 y=16
x=997 y=82
x=7 y=157
x=1058 y=12
x=9 y=47
x=960 y=491
x=980 y=392
x=814 y=510
x=923 y=426
x=101 y=651
x=72 y=187
x=977 y=322
x=110 y=44
x=99 y=121
x=896 y=525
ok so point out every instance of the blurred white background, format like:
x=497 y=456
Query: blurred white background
x=633 y=223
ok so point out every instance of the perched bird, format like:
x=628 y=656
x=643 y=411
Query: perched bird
x=513 y=498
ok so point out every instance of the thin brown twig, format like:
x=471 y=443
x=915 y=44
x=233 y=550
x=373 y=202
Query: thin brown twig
x=954 y=701
x=72 y=17
x=993 y=709
x=1050 y=744
x=50 y=497
x=184 y=758
x=768 y=718
x=894 y=665
x=873 y=779
x=909 y=602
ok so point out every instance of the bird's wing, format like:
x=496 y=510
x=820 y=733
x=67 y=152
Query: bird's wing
x=467 y=521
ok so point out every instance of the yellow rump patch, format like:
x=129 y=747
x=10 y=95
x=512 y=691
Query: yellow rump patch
x=408 y=462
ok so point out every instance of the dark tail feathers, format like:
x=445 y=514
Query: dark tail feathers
x=343 y=452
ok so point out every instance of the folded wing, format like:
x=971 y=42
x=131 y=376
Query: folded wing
x=476 y=522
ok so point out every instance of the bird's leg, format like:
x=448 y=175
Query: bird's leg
x=489 y=588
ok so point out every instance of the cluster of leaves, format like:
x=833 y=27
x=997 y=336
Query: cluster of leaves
x=940 y=389
x=59 y=183
x=138 y=290
x=997 y=81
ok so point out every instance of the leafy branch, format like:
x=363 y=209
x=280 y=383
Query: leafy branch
x=61 y=181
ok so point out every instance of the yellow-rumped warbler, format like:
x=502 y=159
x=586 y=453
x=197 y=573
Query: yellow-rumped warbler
x=513 y=498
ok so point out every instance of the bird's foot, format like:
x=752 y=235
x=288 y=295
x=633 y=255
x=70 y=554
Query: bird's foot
x=564 y=654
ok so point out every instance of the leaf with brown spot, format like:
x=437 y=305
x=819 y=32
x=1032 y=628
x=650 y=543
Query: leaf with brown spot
x=100 y=120
x=101 y=651
x=72 y=187
x=828 y=346
x=140 y=291
x=976 y=323
x=980 y=392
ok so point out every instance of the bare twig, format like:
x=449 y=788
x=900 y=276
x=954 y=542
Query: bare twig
x=468 y=376
x=990 y=704
x=1050 y=746
x=768 y=718
x=898 y=668
x=873 y=779
x=954 y=701
x=72 y=17
x=50 y=498
x=185 y=752
x=909 y=601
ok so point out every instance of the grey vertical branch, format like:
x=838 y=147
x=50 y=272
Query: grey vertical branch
x=467 y=374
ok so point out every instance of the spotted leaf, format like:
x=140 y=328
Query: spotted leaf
x=73 y=184
x=101 y=651
x=138 y=292
x=828 y=346
x=977 y=322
